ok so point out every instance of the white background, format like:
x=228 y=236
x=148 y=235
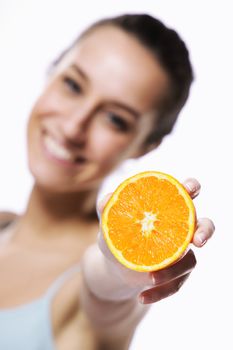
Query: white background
x=32 y=33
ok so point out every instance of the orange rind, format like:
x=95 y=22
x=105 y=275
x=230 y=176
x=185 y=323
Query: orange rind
x=149 y=221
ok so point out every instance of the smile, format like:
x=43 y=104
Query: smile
x=60 y=153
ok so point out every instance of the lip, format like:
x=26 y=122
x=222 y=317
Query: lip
x=52 y=157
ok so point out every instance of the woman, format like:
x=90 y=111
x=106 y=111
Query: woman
x=114 y=94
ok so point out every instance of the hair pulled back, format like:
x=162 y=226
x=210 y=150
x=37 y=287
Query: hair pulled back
x=171 y=52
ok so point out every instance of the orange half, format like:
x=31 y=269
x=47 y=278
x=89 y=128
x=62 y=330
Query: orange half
x=149 y=221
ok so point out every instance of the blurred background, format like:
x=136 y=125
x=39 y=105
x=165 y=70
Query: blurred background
x=32 y=34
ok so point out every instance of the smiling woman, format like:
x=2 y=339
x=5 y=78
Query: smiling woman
x=82 y=109
x=113 y=95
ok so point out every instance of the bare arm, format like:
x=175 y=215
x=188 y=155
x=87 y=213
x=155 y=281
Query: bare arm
x=116 y=313
x=111 y=293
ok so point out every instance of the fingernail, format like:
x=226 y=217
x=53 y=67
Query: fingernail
x=204 y=242
x=201 y=238
x=190 y=186
x=141 y=299
x=192 y=189
x=180 y=284
x=154 y=280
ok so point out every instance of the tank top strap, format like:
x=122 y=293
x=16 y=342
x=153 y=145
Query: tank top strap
x=60 y=280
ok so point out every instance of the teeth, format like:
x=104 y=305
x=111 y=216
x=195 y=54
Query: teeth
x=57 y=150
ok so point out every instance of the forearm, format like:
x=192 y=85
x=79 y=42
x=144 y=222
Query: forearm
x=110 y=304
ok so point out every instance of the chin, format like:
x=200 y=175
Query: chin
x=54 y=181
x=48 y=180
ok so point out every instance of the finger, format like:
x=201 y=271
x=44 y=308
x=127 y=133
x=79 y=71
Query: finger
x=205 y=229
x=180 y=268
x=101 y=204
x=158 y=293
x=104 y=248
x=192 y=186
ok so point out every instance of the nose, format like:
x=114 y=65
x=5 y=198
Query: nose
x=75 y=123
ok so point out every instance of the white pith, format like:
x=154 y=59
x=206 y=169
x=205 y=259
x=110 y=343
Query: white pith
x=147 y=223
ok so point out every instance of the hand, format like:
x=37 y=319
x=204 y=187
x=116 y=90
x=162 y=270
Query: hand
x=158 y=285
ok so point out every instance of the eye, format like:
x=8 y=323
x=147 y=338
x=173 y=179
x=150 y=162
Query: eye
x=118 y=121
x=72 y=85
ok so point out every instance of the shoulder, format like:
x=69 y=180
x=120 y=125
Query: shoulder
x=6 y=217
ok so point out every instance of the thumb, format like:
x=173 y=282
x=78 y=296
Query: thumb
x=101 y=204
x=100 y=239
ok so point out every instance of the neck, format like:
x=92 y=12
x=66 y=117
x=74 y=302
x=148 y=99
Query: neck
x=53 y=210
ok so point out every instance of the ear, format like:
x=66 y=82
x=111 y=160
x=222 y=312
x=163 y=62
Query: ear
x=146 y=148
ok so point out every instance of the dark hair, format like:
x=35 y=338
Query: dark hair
x=171 y=52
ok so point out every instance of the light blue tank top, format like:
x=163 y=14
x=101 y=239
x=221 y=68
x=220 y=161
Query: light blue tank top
x=28 y=326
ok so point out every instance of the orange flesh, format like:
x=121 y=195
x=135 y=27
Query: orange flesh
x=149 y=223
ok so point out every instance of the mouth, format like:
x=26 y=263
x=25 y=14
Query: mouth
x=61 y=154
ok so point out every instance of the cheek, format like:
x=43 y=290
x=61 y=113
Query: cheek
x=46 y=106
x=50 y=102
x=107 y=147
x=35 y=118
x=33 y=129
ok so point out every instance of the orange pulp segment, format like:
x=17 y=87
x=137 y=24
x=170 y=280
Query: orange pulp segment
x=149 y=221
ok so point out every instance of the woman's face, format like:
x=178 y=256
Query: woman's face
x=96 y=110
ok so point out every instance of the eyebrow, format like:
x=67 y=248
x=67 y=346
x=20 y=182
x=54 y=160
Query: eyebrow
x=129 y=109
x=80 y=71
x=122 y=105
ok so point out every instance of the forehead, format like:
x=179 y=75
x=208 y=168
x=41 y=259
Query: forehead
x=118 y=65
